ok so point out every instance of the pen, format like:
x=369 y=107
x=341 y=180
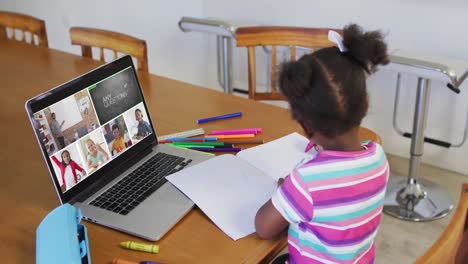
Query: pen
x=140 y=246
x=214 y=118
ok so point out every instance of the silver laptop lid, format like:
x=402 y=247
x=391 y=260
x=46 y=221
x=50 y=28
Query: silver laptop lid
x=88 y=127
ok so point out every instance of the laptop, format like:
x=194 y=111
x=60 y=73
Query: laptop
x=102 y=152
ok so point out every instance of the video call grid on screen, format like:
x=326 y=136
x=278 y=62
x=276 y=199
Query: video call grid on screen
x=88 y=129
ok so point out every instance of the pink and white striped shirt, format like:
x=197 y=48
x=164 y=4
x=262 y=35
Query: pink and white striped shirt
x=333 y=203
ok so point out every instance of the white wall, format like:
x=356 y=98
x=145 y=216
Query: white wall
x=171 y=53
x=427 y=26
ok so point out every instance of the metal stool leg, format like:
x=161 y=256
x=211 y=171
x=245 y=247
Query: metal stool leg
x=411 y=198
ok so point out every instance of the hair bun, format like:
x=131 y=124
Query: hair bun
x=296 y=74
x=367 y=48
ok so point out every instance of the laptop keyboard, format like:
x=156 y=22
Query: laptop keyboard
x=130 y=191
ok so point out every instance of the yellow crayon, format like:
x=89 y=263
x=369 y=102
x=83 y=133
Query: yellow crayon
x=140 y=246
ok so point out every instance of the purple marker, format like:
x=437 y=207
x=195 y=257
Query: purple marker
x=214 y=118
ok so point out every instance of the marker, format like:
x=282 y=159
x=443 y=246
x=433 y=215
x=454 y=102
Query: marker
x=189 y=149
x=246 y=141
x=193 y=146
x=209 y=143
x=152 y=248
x=170 y=141
x=193 y=139
x=236 y=131
x=234 y=136
x=218 y=149
x=214 y=118
x=124 y=261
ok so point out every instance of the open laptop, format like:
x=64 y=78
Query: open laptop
x=102 y=152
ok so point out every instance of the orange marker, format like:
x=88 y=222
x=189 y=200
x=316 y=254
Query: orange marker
x=123 y=261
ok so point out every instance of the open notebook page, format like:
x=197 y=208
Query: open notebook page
x=228 y=190
x=278 y=157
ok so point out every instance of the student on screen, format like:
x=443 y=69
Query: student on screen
x=68 y=169
x=119 y=141
x=332 y=203
x=96 y=154
x=143 y=126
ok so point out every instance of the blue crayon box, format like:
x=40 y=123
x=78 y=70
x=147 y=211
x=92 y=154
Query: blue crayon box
x=60 y=238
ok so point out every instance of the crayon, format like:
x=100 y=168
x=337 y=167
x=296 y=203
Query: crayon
x=152 y=248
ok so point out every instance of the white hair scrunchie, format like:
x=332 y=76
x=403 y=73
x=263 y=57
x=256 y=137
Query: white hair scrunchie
x=336 y=38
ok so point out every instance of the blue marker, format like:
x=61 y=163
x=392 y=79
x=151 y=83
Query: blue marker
x=209 y=119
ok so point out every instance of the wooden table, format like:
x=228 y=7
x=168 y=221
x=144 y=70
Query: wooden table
x=26 y=190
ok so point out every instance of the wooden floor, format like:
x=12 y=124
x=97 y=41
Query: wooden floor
x=403 y=242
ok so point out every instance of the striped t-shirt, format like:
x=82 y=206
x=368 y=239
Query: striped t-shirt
x=333 y=203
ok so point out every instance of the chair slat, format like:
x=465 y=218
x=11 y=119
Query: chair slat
x=23 y=23
x=86 y=52
x=293 y=53
x=273 y=69
x=101 y=54
x=252 y=77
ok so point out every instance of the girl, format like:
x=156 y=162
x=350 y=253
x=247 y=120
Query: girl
x=96 y=154
x=68 y=169
x=332 y=203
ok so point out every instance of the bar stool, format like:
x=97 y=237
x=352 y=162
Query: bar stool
x=225 y=33
x=413 y=198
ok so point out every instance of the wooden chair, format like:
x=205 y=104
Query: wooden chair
x=104 y=39
x=23 y=24
x=452 y=245
x=312 y=38
x=252 y=37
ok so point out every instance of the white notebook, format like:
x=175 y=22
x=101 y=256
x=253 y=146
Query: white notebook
x=230 y=189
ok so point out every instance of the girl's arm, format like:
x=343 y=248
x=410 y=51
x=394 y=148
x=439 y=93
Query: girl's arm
x=91 y=165
x=56 y=161
x=75 y=166
x=269 y=222
x=60 y=165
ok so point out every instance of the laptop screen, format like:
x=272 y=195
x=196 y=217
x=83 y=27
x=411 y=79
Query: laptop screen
x=85 y=131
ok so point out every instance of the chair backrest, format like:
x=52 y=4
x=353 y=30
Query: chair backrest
x=452 y=245
x=23 y=24
x=116 y=42
x=250 y=37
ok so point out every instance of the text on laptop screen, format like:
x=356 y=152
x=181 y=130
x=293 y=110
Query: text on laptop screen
x=85 y=131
